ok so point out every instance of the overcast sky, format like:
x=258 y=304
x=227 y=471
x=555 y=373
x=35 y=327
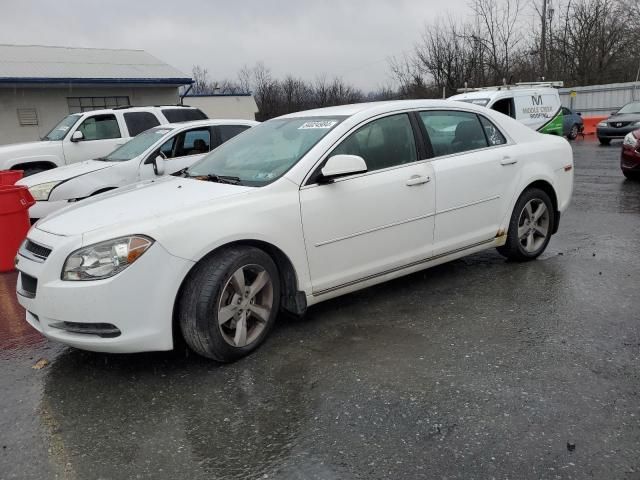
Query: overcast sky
x=350 y=38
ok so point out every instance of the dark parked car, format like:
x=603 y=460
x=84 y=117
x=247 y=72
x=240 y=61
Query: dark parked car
x=572 y=124
x=624 y=121
x=630 y=156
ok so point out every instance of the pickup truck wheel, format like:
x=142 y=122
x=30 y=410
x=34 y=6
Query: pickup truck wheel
x=229 y=303
x=530 y=226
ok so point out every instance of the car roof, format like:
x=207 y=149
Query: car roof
x=208 y=122
x=126 y=109
x=374 y=108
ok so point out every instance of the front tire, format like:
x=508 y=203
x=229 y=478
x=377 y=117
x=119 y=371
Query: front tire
x=631 y=175
x=604 y=141
x=530 y=226
x=229 y=303
x=573 y=133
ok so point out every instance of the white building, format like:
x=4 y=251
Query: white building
x=39 y=85
x=224 y=105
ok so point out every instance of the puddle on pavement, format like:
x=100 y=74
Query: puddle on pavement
x=15 y=332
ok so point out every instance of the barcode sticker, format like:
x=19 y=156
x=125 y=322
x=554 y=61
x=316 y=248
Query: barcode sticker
x=325 y=124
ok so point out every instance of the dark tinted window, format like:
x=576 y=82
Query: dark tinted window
x=453 y=132
x=383 y=143
x=138 y=122
x=494 y=136
x=100 y=127
x=227 y=132
x=505 y=106
x=174 y=115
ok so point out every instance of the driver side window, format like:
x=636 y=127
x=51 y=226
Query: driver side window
x=100 y=127
x=383 y=143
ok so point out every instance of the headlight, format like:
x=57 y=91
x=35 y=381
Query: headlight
x=41 y=192
x=602 y=124
x=630 y=140
x=105 y=259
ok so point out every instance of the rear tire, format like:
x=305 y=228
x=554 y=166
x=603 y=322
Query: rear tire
x=530 y=226
x=229 y=303
x=573 y=133
x=631 y=175
x=604 y=141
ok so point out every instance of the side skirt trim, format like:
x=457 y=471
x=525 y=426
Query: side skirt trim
x=402 y=267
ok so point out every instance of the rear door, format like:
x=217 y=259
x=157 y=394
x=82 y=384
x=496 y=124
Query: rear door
x=475 y=174
x=102 y=133
x=368 y=224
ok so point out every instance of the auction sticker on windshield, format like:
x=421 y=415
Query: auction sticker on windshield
x=326 y=124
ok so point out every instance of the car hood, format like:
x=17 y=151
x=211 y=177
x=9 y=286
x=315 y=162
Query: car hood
x=625 y=117
x=29 y=149
x=133 y=204
x=65 y=173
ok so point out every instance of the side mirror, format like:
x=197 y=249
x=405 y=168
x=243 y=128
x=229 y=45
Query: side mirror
x=341 y=166
x=159 y=165
x=77 y=136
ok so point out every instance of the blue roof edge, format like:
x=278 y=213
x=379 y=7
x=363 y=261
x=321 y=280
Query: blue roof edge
x=91 y=81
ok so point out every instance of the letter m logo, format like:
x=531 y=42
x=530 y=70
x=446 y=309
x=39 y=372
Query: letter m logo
x=536 y=100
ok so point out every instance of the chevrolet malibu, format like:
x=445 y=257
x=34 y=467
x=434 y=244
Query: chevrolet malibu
x=297 y=210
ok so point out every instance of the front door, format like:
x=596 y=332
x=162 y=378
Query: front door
x=364 y=225
x=101 y=136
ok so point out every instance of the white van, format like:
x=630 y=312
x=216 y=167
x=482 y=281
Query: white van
x=535 y=104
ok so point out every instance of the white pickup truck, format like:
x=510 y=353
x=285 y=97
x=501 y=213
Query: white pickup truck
x=88 y=135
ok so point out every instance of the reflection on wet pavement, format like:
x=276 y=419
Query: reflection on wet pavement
x=15 y=333
x=479 y=368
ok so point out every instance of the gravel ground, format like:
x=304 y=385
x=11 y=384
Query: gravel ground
x=475 y=369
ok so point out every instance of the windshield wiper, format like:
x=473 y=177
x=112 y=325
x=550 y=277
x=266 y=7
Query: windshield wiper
x=211 y=177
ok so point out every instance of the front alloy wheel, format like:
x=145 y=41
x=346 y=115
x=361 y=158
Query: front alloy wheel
x=229 y=303
x=533 y=225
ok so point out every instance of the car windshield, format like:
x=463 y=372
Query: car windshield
x=137 y=145
x=266 y=152
x=476 y=101
x=60 y=130
x=633 y=107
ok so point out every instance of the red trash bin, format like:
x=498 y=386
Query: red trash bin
x=14 y=222
x=10 y=177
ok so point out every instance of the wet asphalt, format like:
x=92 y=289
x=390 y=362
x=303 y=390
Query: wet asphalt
x=475 y=369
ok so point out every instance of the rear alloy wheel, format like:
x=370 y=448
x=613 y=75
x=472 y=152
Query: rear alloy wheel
x=573 y=133
x=229 y=303
x=530 y=226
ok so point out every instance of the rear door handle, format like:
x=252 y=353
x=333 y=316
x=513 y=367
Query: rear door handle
x=508 y=161
x=418 y=180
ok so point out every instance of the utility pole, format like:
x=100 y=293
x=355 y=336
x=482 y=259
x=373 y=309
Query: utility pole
x=543 y=40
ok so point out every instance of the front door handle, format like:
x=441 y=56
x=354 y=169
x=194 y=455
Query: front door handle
x=418 y=180
x=508 y=161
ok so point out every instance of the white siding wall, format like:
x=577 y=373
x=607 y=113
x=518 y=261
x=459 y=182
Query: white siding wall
x=51 y=105
x=600 y=99
x=217 y=106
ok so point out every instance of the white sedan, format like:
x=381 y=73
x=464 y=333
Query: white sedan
x=297 y=210
x=178 y=145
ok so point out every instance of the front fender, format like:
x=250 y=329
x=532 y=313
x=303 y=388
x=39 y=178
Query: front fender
x=12 y=162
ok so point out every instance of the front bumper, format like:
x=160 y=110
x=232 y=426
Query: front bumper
x=629 y=159
x=614 y=133
x=138 y=302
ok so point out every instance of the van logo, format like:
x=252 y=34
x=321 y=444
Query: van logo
x=536 y=100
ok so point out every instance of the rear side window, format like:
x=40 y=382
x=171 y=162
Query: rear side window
x=174 y=115
x=494 y=136
x=227 y=132
x=453 y=132
x=138 y=122
x=383 y=143
x=100 y=127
